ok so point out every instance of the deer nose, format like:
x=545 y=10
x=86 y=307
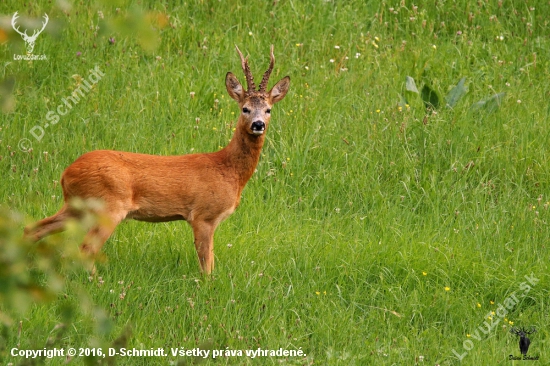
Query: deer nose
x=258 y=127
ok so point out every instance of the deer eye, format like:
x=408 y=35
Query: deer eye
x=268 y=111
x=246 y=110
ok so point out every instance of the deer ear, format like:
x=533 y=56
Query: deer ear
x=278 y=92
x=234 y=87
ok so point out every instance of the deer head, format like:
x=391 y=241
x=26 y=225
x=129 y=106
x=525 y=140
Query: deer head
x=255 y=104
x=29 y=40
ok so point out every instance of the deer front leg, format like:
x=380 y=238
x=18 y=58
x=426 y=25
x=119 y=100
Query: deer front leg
x=204 y=244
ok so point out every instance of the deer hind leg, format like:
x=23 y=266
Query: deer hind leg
x=97 y=235
x=204 y=244
x=95 y=238
x=100 y=232
x=93 y=242
x=50 y=225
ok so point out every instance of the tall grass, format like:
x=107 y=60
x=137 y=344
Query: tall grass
x=375 y=231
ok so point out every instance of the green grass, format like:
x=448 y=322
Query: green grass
x=372 y=233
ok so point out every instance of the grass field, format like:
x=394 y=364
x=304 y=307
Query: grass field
x=375 y=231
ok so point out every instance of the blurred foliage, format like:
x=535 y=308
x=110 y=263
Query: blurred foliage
x=7 y=101
x=134 y=22
x=131 y=22
x=33 y=273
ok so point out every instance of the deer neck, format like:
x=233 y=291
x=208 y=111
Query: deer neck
x=242 y=154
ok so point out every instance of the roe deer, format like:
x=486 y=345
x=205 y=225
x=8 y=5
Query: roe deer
x=202 y=189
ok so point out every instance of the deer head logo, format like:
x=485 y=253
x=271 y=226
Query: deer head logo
x=29 y=40
x=524 y=342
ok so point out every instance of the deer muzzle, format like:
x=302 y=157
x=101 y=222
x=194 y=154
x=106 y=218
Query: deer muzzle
x=257 y=128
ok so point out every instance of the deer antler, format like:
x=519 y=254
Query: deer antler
x=522 y=331
x=37 y=32
x=13 y=19
x=265 y=79
x=246 y=70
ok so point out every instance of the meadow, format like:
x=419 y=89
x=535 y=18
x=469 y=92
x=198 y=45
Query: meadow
x=402 y=196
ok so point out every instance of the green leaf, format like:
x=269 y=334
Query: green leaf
x=456 y=93
x=490 y=104
x=494 y=102
x=478 y=105
x=430 y=97
x=410 y=85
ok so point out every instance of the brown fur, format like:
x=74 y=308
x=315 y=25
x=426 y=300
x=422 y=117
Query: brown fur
x=202 y=189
